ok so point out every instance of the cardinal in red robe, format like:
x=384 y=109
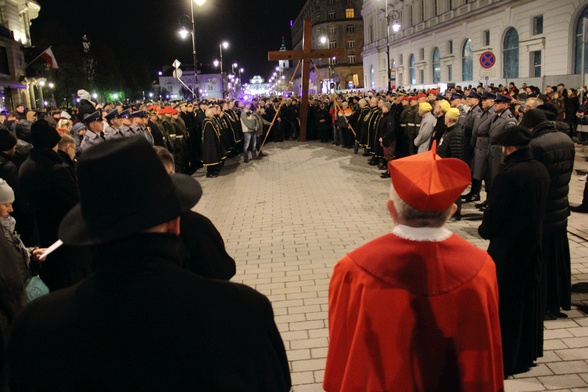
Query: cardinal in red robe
x=417 y=309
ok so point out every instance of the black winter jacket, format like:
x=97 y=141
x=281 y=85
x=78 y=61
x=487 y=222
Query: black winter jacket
x=556 y=151
x=451 y=144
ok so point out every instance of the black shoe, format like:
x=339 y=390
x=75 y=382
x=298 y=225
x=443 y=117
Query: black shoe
x=385 y=175
x=470 y=198
x=482 y=205
x=366 y=154
x=246 y=160
x=372 y=162
x=455 y=218
x=581 y=209
x=382 y=167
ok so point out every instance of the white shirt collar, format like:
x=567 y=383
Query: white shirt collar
x=434 y=234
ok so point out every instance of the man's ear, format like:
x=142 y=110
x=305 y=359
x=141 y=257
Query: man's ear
x=392 y=210
x=173 y=226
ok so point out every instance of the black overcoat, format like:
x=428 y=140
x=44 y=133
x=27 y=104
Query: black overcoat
x=513 y=224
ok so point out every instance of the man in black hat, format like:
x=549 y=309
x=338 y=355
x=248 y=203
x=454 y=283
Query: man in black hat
x=141 y=322
x=512 y=222
x=556 y=151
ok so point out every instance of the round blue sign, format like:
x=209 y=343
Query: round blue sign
x=487 y=60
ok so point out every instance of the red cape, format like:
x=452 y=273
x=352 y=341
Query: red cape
x=414 y=316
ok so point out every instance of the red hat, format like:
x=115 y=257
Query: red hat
x=160 y=111
x=434 y=92
x=406 y=98
x=422 y=95
x=413 y=98
x=428 y=182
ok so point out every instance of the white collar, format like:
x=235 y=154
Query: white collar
x=434 y=234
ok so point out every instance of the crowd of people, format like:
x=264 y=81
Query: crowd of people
x=62 y=178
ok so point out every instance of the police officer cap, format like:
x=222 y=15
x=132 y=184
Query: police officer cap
x=474 y=94
x=515 y=136
x=112 y=114
x=96 y=116
x=502 y=98
x=125 y=113
x=139 y=113
x=488 y=95
x=456 y=96
x=441 y=98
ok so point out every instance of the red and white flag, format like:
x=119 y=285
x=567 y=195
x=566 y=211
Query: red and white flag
x=49 y=58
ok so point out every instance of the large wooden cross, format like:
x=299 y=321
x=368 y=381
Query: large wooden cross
x=306 y=54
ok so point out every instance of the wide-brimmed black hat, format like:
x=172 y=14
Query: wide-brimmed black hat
x=124 y=189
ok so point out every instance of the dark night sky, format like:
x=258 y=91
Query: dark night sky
x=251 y=27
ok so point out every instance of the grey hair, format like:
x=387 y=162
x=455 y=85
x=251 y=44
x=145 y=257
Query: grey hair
x=532 y=103
x=418 y=218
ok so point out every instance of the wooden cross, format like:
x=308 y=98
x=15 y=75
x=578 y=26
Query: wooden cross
x=306 y=54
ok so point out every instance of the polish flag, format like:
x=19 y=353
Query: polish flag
x=49 y=57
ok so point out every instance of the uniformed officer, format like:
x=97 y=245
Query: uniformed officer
x=94 y=135
x=126 y=122
x=139 y=125
x=112 y=131
x=501 y=121
x=475 y=110
x=456 y=101
x=481 y=143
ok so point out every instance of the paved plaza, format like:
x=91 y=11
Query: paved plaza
x=288 y=218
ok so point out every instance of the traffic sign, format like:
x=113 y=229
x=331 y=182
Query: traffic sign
x=177 y=73
x=176 y=64
x=487 y=60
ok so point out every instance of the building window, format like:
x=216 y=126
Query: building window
x=450 y=47
x=510 y=54
x=372 y=78
x=332 y=30
x=333 y=60
x=350 y=13
x=467 y=64
x=578 y=62
x=401 y=59
x=449 y=73
x=436 y=66
x=331 y=15
x=371 y=31
x=486 y=37
x=536 y=64
x=422 y=76
x=350 y=29
x=4 y=69
x=411 y=61
x=351 y=59
x=331 y=2
x=350 y=44
x=421 y=54
x=450 y=4
x=332 y=44
x=538 y=25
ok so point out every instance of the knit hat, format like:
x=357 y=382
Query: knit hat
x=6 y=192
x=549 y=110
x=532 y=118
x=387 y=105
x=453 y=113
x=445 y=105
x=425 y=107
x=7 y=139
x=65 y=115
x=77 y=127
x=44 y=135
x=428 y=182
x=83 y=94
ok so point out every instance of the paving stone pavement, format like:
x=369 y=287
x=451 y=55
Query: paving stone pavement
x=288 y=218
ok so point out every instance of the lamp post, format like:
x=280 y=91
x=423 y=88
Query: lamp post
x=395 y=27
x=184 y=33
x=221 y=46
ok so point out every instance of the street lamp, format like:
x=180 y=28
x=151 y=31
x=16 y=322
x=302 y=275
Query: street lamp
x=184 y=33
x=221 y=46
x=395 y=15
